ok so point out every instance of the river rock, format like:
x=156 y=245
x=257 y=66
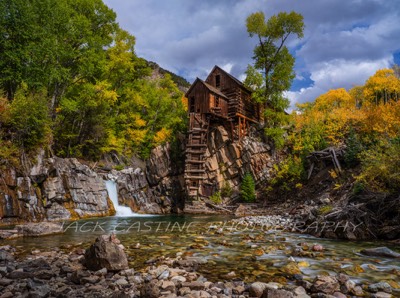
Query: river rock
x=380 y=287
x=257 y=289
x=381 y=295
x=194 y=285
x=325 y=284
x=39 y=229
x=151 y=289
x=106 y=253
x=277 y=293
x=5 y=257
x=380 y=252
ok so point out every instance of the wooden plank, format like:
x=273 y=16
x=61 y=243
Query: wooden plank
x=247 y=118
x=195 y=161
x=197 y=145
x=195 y=177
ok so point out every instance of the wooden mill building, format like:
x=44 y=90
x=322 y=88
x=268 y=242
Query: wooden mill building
x=221 y=99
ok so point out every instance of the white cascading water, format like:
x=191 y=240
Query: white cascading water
x=121 y=211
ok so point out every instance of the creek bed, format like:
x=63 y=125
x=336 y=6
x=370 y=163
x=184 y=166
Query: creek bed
x=222 y=248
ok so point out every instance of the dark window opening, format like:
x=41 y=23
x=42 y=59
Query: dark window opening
x=217 y=101
x=217 y=81
x=192 y=105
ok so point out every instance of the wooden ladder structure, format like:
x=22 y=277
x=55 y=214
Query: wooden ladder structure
x=196 y=148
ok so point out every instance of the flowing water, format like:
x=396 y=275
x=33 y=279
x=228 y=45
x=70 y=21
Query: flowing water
x=234 y=249
x=120 y=210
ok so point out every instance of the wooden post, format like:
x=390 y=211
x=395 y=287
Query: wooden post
x=239 y=129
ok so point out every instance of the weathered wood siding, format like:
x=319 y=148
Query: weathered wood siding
x=239 y=97
x=201 y=96
x=206 y=101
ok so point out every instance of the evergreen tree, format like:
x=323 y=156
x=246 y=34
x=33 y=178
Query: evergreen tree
x=248 y=188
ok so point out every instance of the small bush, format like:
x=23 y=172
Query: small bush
x=248 y=188
x=325 y=209
x=354 y=147
x=119 y=167
x=226 y=190
x=216 y=198
x=358 y=188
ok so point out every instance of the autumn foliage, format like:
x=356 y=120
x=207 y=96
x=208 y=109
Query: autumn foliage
x=365 y=120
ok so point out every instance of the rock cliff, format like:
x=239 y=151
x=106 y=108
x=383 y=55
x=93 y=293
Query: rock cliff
x=61 y=189
x=54 y=189
x=228 y=161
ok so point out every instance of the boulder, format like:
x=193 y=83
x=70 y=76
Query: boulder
x=107 y=253
x=39 y=229
x=380 y=252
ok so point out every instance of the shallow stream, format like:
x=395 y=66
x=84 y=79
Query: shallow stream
x=223 y=248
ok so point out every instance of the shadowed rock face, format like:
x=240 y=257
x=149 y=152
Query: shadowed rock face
x=54 y=189
x=106 y=252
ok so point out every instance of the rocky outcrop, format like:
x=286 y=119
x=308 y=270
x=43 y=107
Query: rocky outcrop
x=164 y=171
x=228 y=161
x=53 y=189
x=64 y=188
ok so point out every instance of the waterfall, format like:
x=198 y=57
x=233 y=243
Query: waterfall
x=9 y=206
x=121 y=211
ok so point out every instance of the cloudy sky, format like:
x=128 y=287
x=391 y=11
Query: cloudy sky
x=345 y=41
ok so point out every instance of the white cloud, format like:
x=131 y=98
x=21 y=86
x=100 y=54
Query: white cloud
x=337 y=74
x=344 y=42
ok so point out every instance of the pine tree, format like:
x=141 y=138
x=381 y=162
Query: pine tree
x=248 y=188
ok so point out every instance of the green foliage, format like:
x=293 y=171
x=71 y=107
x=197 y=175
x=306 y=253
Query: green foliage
x=272 y=73
x=325 y=209
x=216 y=198
x=119 y=167
x=226 y=190
x=67 y=65
x=353 y=149
x=358 y=188
x=287 y=173
x=248 y=188
x=28 y=120
x=381 y=167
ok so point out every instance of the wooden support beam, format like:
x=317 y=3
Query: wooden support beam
x=240 y=128
x=247 y=118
